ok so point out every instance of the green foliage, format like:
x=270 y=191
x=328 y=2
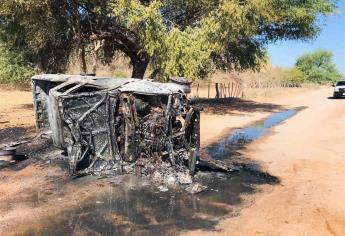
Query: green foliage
x=190 y=38
x=293 y=77
x=222 y=35
x=272 y=76
x=120 y=74
x=41 y=30
x=318 y=67
x=14 y=68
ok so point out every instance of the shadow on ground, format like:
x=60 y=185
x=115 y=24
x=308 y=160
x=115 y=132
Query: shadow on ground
x=334 y=98
x=28 y=106
x=144 y=210
x=231 y=105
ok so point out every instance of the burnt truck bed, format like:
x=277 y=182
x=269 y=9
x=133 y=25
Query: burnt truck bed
x=107 y=123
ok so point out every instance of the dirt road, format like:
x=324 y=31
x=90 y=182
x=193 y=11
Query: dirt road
x=307 y=153
x=16 y=109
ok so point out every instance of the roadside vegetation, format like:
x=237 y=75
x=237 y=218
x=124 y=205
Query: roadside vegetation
x=313 y=68
x=14 y=67
x=159 y=39
x=317 y=67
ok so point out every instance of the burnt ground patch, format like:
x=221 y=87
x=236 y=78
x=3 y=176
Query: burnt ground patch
x=14 y=134
x=144 y=210
x=134 y=207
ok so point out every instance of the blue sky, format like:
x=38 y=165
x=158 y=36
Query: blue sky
x=331 y=38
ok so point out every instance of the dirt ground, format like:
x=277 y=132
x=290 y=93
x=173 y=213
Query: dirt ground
x=16 y=109
x=306 y=152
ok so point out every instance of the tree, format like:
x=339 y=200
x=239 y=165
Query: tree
x=188 y=38
x=318 y=67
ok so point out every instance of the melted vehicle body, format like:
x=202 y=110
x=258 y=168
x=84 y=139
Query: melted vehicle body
x=105 y=124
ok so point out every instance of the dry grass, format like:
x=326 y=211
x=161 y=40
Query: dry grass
x=119 y=67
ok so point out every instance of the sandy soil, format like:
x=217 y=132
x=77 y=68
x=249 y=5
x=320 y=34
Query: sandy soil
x=16 y=109
x=306 y=153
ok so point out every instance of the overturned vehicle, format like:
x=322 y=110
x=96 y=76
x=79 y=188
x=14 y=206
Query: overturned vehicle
x=114 y=126
x=105 y=123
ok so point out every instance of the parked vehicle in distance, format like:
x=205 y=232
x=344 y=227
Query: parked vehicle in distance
x=339 y=89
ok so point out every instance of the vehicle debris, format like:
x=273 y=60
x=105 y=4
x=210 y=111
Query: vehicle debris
x=114 y=126
x=196 y=188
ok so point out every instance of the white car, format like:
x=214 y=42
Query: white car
x=339 y=89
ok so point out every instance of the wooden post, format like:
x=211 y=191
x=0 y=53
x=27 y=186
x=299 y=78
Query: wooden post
x=221 y=90
x=237 y=88
x=224 y=91
x=232 y=89
x=229 y=90
x=217 y=91
x=208 y=92
x=197 y=91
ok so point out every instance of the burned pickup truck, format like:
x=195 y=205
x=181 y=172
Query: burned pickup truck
x=107 y=123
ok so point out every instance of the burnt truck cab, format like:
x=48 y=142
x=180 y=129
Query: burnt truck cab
x=108 y=123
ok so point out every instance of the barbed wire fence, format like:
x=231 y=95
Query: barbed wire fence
x=218 y=90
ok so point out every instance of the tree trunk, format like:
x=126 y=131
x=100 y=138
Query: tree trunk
x=78 y=35
x=98 y=44
x=217 y=91
x=139 y=67
x=82 y=58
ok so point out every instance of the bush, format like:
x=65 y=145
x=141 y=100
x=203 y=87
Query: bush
x=121 y=74
x=318 y=67
x=293 y=77
x=14 y=68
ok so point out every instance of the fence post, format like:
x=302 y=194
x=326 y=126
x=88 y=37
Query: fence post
x=217 y=91
x=229 y=90
x=237 y=90
x=232 y=89
x=221 y=90
x=197 y=91
x=208 y=92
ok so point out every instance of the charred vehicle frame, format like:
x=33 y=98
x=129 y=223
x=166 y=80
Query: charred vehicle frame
x=107 y=124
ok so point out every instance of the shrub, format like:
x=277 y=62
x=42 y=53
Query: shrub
x=14 y=68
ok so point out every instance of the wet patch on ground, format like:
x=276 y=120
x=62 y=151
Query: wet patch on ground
x=230 y=146
x=141 y=209
x=129 y=205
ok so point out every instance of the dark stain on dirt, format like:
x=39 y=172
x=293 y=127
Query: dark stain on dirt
x=129 y=205
x=141 y=209
x=14 y=134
